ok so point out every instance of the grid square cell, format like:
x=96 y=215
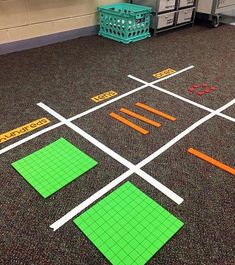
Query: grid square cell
x=136 y=240
x=54 y=166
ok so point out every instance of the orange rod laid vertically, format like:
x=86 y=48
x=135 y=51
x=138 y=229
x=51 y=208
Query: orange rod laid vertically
x=128 y=123
x=140 y=117
x=162 y=114
x=212 y=161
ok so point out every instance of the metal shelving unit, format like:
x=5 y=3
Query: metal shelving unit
x=170 y=14
x=214 y=8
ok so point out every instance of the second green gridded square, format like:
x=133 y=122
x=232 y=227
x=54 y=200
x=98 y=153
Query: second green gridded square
x=127 y=226
x=54 y=166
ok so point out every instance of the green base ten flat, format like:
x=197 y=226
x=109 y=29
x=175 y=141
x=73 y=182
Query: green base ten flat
x=127 y=226
x=54 y=166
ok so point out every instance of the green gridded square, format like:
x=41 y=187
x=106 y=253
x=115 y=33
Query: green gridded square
x=127 y=226
x=54 y=166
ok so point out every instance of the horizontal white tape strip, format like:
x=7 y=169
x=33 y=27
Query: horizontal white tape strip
x=180 y=97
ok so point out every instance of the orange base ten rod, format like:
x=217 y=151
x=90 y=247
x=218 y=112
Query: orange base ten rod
x=140 y=117
x=212 y=161
x=128 y=123
x=155 y=111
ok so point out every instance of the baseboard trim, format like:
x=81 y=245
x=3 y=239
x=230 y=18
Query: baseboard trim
x=46 y=40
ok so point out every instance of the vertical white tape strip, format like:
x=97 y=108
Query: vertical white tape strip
x=90 y=200
x=183 y=134
x=111 y=153
x=169 y=193
x=136 y=169
x=88 y=137
x=117 y=157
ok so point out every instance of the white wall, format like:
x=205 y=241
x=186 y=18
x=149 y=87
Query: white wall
x=24 y=19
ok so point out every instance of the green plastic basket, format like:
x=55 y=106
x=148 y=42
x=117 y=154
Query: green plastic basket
x=124 y=22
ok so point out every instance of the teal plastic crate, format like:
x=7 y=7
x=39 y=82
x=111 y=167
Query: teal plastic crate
x=124 y=22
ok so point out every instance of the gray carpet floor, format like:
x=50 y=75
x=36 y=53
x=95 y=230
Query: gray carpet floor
x=65 y=76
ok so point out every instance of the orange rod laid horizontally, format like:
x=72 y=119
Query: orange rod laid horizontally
x=162 y=114
x=128 y=123
x=212 y=161
x=140 y=117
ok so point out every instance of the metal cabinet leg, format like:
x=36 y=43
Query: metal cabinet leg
x=215 y=20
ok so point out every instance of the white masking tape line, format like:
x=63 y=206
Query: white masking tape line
x=226 y=117
x=169 y=193
x=8 y=148
x=127 y=94
x=181 y=98
x=88 y=137
x=101 y=146
x=75 y=211
x=183 y=134
x=172 y=75
x=116 y=156
x=30 y=137
x=172 y=94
